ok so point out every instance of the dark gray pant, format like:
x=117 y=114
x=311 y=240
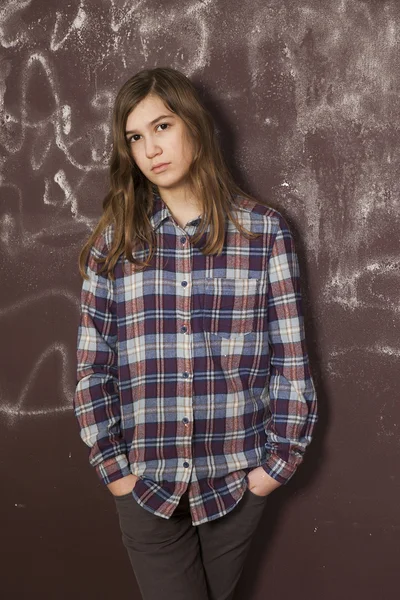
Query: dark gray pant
x=171 y=558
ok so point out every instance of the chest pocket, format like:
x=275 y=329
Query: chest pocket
x=229 y=306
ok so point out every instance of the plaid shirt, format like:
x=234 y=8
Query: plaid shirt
x=195 y=371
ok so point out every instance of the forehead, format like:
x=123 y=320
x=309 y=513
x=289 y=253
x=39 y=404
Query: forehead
x=145 y=111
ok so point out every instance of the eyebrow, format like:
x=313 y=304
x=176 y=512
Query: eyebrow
x=153 y=122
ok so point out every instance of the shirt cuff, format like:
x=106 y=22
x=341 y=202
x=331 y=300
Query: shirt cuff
x=113 y=468
x=279 y=469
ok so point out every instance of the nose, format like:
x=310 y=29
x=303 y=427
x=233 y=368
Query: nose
x=152 y=149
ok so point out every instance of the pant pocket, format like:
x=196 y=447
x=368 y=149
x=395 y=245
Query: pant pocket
x=127 y=496
x=253 y=495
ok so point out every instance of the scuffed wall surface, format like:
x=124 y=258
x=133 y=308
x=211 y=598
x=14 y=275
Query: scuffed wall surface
x=305 y=95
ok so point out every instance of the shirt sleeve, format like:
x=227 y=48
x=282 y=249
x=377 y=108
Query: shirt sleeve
x=96 y=400
x=293 y=401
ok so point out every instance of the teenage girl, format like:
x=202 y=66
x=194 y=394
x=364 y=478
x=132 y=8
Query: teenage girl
x=194 y=390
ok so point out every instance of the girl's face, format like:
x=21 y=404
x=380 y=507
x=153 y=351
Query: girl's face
x=156 y=135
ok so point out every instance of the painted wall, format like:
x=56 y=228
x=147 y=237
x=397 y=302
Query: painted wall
x=305 y=95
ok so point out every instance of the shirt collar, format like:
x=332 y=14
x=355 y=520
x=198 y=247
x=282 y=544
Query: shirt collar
x=161 y=212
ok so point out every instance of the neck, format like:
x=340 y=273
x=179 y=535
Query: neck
x=181 y=199
x=183 y=205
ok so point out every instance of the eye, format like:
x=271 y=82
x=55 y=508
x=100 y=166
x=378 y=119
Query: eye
x=137 y=135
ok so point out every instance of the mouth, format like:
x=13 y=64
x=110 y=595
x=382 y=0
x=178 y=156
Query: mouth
x=160 y=167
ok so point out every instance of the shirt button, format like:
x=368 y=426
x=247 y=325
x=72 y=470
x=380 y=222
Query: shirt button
x=183 y=329
x=184 y=283
x=185 y=374
x=183 y=239
x=185 y=420
x=185 y=464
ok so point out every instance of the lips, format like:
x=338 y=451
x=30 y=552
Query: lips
x=160 y=167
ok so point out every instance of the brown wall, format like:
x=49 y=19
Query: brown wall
x=305 y=95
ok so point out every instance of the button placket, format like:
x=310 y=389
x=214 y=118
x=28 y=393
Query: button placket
x=183 y=266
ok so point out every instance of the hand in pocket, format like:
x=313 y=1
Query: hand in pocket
x=260 y=483
x=123 y=486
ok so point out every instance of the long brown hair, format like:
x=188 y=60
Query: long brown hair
x=128 y=203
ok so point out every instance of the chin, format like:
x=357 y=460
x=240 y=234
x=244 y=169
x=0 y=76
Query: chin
x=168 y=182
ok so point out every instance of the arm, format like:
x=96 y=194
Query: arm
x=96 y=401
x=293 y=401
